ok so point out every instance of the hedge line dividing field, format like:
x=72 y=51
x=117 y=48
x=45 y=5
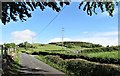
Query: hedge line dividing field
x=102 y=49
x=93 y=59
x=80 y=67
x=82 y=55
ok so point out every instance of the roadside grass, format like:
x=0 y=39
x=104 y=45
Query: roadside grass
x=80 y=67
x=16 y=65
x=43 y=58
x=11 y=66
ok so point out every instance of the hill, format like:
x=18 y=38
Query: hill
x=72 y=44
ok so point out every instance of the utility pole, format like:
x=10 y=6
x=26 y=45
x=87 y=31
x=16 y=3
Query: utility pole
x=32 y=43
x=25 y=45
x=62 y=37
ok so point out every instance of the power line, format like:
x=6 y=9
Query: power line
x=51 y=21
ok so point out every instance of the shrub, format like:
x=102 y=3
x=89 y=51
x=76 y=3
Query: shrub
x=54 y=59
x=103 y=49
x=84 y=68
x=78 y=67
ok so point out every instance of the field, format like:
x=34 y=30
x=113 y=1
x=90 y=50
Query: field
x=77 y=50
x=78 y=59
x=112 y=54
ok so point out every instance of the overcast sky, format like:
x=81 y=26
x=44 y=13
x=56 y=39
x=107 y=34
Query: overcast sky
x=78 y=26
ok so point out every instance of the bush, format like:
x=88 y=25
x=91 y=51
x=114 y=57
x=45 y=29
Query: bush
x=77 y=67
x=94 y=59
x=84 y=68
x=103 y=49
x=54 y=59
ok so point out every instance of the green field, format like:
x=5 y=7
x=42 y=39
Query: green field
x=66 y=50
x=49 y=47
x=55 y=47
x=112 y=54
x=77 y=58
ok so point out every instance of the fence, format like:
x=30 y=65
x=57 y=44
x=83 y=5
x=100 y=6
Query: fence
x=4 y=62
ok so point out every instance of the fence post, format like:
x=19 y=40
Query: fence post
x=2 y=54
x=2 y=58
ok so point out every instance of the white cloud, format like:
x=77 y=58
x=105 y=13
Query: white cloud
x=104 y=38
x=21 y=36
x=59 y=39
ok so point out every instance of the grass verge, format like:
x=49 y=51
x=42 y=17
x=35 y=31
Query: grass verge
x=43 y=58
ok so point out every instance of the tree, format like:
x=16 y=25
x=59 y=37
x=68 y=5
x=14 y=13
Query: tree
x=106 y=5
x=21 y=10
x=10 y=45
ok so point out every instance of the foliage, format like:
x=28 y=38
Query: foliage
x=10 y=45
x=85 y=68
x=90 y=7
x=54 y=59
x=44 y=47
x=71 y=44
x=10 y=67
x=60 y=66
x=26 y=45
x=112 y=54
x=109 y=60
x=102 y=49
x=54 y=50
x=79 y=67
x=20 y=10
x=13 y=10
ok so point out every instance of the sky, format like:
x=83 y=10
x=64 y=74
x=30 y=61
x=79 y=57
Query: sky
x=78 y=26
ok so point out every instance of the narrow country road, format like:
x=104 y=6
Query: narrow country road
x=34 y=67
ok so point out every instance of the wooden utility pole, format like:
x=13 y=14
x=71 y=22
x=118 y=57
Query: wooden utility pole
x=62 y=37
x=32 y=43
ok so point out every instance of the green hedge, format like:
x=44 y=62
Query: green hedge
x=84 y=68
x=80 y=44
x=103 y=49
x=94 y=59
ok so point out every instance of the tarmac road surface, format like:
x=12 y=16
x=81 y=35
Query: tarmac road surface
x=35 y=67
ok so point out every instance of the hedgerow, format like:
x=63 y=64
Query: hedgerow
x=79 y=67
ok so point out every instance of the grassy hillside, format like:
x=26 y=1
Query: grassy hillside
x=112 y=54
x=76 y=58
x=51 y=47
x=43 y=47
x=71 y=44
